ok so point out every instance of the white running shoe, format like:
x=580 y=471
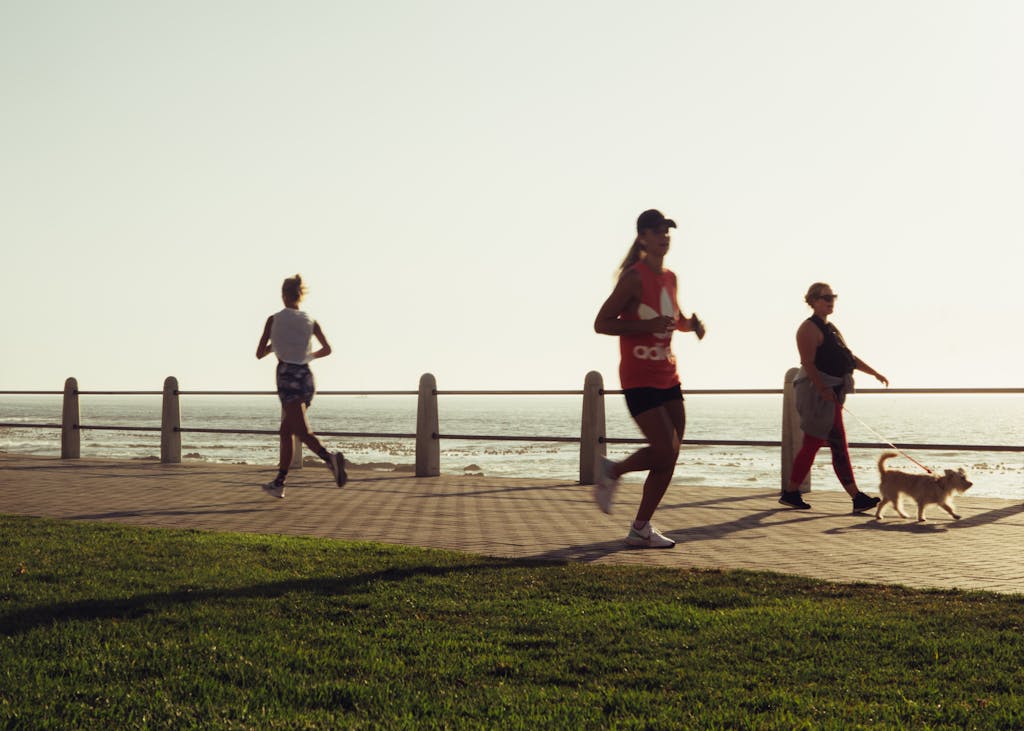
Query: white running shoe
x=605 y=485
x=274 y=490
x=648 y=537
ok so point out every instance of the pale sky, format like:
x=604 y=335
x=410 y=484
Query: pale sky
x=458 y=180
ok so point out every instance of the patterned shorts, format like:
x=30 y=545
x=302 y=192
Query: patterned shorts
x=295 y=383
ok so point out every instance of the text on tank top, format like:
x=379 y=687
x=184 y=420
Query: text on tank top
x=646 y=359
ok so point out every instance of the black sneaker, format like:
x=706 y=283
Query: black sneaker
x=794 y=500
x=337 y=464
x=862 y=502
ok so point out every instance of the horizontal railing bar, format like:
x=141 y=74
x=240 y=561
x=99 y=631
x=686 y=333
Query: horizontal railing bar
x=778 y=391
x=31 y=393
x=375 y=435
x=942 y=390
x=91 y=427
x=507 y=438
x=318 y=393
x=200 y=430
x=119 y=393
x=226 y=393
x=511 y=393
x=700 y=442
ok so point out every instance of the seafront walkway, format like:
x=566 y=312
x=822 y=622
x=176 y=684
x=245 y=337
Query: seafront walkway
x=716 y=528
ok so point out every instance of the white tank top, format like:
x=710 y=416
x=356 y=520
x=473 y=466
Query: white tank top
x=291 y=334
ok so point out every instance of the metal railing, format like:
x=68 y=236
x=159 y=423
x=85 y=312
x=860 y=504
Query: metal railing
x=592 y=438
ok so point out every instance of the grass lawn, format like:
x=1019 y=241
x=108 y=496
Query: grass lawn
x=115 y=627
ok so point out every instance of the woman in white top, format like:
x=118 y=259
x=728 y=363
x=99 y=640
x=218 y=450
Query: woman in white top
x=288 y=334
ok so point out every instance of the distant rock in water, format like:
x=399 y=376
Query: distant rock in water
x=473 y=469
x=193 y=455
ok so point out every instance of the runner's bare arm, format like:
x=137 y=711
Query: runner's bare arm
x=264 y=348
x=325 y=347
x=626 y=293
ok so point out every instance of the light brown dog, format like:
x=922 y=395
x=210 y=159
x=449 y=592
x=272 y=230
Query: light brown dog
x=925 y=489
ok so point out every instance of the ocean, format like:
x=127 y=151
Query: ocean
x=902 y=418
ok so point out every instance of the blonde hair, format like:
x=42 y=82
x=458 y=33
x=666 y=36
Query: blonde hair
x=814 y=292
x=293 y=289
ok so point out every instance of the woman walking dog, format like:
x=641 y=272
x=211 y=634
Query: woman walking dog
x=825 y=377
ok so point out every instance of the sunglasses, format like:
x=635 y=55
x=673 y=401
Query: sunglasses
x=828 y=297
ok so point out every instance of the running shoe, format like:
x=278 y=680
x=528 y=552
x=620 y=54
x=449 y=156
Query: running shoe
x=862 y=502
x=648 y=537
x=274 y=490
x=337 y=465
x=794 y=500
x=606 y=484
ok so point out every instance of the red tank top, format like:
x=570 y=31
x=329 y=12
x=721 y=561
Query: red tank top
x=646 y=358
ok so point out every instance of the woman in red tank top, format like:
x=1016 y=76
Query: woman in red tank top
x=643 y=312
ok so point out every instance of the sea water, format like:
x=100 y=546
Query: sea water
x=900 y=418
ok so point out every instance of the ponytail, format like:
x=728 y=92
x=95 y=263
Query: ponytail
x=635 y=254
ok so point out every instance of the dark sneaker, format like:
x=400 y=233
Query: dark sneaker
x=794 y=500
x=337 y=465
x=862 y=502
x=274 y=489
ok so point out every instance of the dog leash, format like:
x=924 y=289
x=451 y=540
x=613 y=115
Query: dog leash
x=886 y=440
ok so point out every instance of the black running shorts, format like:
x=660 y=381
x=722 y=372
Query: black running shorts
x=644 y=398
x=295 y=383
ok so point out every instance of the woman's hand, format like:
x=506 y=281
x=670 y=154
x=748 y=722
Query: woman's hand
x=658 y=325
x=696 y=326
x=882 y=379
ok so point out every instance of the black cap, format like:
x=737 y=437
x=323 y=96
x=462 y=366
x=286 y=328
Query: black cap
x=653 y=219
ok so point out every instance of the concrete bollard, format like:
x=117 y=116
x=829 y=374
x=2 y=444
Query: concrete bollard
x=170 y=424
x=592 y=430
x=792 y=435
x=428 y=445
x=70 y=436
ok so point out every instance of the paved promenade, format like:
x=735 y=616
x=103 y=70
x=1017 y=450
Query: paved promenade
x=716 y=528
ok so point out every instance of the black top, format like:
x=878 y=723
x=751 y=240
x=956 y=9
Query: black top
x=832 y=356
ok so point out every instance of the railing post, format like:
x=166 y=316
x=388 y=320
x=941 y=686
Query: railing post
x=428 y=445
x=70 y=436
x=592 y=431
x=792 y=435
x=170 y=424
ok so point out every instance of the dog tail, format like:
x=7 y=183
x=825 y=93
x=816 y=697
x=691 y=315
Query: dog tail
x=882 y=460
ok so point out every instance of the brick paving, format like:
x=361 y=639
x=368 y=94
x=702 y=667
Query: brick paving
x=717 y=528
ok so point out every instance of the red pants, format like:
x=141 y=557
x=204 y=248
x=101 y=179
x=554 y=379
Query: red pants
x=840 y=453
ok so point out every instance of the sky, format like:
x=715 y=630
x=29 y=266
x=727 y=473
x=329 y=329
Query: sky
x=457 y=182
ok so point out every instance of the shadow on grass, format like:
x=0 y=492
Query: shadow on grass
x=196 y=510
x=136 y=607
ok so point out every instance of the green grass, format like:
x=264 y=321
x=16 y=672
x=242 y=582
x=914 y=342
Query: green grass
x=113 y=627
